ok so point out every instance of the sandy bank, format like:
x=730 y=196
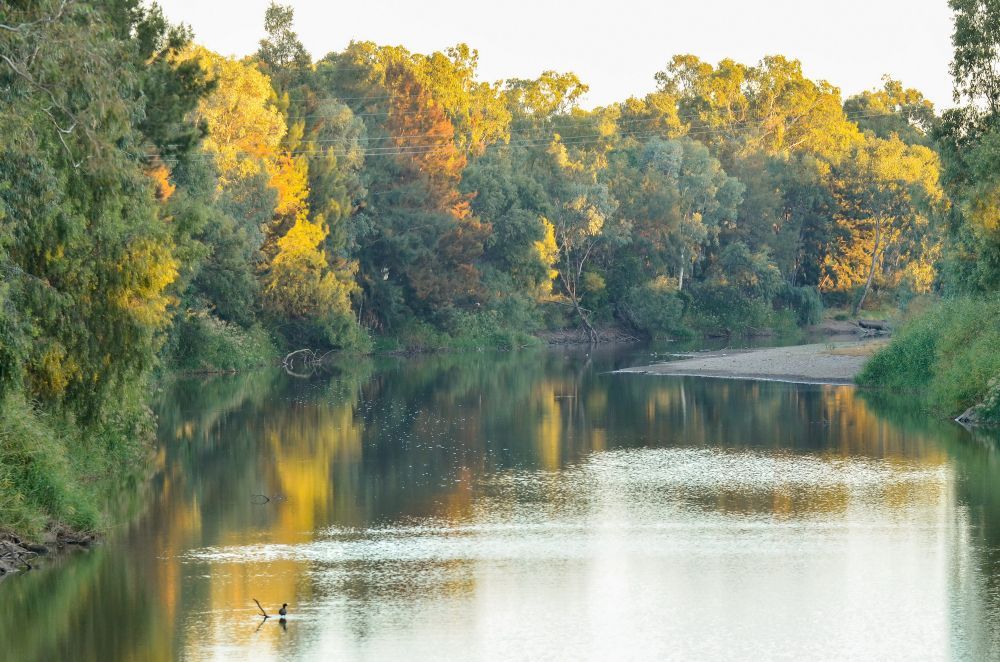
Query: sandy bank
x=836 y=363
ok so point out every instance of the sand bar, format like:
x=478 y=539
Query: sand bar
x=831 y=363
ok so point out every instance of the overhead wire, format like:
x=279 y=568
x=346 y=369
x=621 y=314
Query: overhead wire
x=526 y=140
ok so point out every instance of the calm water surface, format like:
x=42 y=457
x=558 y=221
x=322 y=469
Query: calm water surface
x=532 y=506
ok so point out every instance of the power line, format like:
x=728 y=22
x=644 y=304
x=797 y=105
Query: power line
x=532 y=139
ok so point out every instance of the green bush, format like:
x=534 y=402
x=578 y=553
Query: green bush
x=487 y=330
x=737 y=296
x=989 y=408
x=805 y=302
x=950 y=355
x=419 y=336
x=656 y=309
x=206 y=343
x=335 y=331
x=722 y=308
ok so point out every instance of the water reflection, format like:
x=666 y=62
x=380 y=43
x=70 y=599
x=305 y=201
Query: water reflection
x=533 y=506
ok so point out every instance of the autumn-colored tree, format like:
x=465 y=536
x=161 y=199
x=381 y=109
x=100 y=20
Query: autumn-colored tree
x=244 y=127
x=888 y=195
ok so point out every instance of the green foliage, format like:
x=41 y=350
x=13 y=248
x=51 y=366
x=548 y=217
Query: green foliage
x=36 y=480
x=204 y=343
x=467 y=331
x=87 y=255
x=950 y=355
x=486 y=330
x=737 y=296
x=806 y=303
x=721 y=309
x=988 y=410
x=55 y=468
x=656 y=308
x=894 y=110
x=332 y=330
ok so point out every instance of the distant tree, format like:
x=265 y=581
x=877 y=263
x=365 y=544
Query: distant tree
x=281 y=48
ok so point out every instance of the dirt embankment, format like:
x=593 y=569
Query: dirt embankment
x=835 y=363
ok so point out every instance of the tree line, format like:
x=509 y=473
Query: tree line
x=164 y=205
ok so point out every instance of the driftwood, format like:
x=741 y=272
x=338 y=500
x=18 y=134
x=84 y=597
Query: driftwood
x=875 y=327
x=266 y=615
x=306 y=358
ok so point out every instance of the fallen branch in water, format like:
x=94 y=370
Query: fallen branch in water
x=266 y=615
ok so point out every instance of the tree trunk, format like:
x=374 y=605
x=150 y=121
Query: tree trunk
x=591 y=332
x=871 y=270
x=570 y=284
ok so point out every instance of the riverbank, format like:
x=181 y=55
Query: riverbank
x=948 y=357
x=17 y=555
x=831 y=363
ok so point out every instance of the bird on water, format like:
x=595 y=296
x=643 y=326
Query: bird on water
x=283 y=611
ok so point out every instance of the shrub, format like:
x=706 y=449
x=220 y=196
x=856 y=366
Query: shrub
x=53 y=469
x=723 y=308
x=488 y=330
x=332 y=331
x=466 y=330
x=656 y=308
x=207 y=343
x=950 y=354
x=805 y=302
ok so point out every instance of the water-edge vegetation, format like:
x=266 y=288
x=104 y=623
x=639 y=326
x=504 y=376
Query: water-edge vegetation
x=163 y=208
x=949 y=354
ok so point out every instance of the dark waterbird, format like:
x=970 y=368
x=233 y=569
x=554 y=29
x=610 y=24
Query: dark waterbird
x=281 y=612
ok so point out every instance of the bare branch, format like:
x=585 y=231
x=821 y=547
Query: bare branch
x=42 y=21
x=266 y=615
x=60 y=131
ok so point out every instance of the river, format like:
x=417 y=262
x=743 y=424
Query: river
x=532 y=506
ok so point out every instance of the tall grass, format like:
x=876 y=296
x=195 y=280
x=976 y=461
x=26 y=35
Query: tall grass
x=949 y=356
x=52 y=470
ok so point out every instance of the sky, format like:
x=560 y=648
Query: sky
x=617 y=47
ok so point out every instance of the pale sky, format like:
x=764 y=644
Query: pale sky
x=616 y=47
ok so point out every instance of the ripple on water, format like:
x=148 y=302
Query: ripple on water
x=655 y=502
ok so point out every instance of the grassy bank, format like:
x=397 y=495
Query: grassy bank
x=949 y=356
x=54 y=471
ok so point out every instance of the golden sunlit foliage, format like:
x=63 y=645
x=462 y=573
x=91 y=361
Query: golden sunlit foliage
x=889 y=193
x=245 y=128
x=298 y=283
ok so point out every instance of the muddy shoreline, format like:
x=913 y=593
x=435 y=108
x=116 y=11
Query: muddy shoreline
x=18 y=555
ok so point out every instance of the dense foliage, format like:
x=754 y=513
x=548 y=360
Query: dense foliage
x=163 y=205
x=951 y=353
